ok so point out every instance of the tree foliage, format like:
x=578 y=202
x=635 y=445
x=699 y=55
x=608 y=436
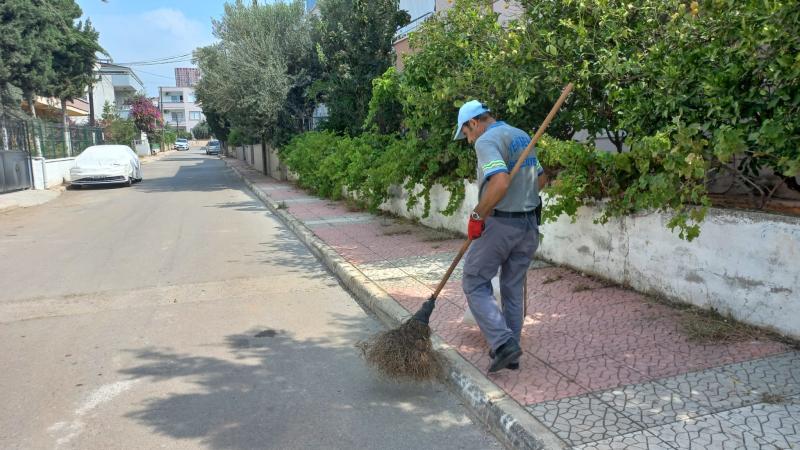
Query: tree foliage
x=693 y=89
x=201 y=130
x=145 y=115
x=115 y=129
x=254 y=77
x=45 y=50
x=355 y=46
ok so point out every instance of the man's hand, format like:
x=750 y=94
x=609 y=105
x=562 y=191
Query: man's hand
x=475 y=227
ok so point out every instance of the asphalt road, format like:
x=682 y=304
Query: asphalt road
x=179 y=313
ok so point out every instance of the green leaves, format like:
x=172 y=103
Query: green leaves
x=355 y=46
x=255 y=76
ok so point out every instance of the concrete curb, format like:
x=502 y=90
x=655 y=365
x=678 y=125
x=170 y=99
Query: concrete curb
x=506 y=418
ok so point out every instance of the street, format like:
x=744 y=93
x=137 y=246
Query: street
x=179 y=313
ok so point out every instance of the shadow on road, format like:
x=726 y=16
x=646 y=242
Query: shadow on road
x=275 y=391
x=207 y=175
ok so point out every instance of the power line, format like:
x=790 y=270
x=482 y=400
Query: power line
x=157 y=64
x=153 y=74
x=155 y=60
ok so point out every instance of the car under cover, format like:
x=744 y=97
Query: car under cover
x=105 y=164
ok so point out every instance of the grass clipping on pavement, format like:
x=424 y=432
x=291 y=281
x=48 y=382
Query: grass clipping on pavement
x=706 y=326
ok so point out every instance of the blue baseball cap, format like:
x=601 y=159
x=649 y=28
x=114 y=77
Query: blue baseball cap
x=469 y=110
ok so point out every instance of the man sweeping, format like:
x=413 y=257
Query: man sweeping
x=504 y=228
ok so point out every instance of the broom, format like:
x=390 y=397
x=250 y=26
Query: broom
x=406 y=352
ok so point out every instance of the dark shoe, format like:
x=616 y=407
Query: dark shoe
x=504 y=355
x=511 y=366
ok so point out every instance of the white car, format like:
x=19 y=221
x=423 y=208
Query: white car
x=181 y=144
x=106 y=164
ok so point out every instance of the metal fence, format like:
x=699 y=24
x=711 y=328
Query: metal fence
x=52 y=140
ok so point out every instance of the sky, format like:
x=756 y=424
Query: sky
x=145 y=30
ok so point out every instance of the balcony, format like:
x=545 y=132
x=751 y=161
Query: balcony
x=172 y=101
x=126 y=82
x=403 y=32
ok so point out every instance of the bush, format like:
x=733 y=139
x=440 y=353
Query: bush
x=327 y=164
x=236 y=137
x=120 y=131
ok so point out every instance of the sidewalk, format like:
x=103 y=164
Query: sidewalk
x=28 y=198
x=604 y=367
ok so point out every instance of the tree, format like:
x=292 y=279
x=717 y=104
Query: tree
x=29 y=33
x=45 y=50
x=201 y=130
x=74 y=57
x=255 y=76
x=145 y=115
x=115 y=129
x=355 y=46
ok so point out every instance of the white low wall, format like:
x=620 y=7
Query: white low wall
x=251 y=154
x=745 y=264
x=48 y=173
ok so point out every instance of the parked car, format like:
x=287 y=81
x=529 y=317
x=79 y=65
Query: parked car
x=181 y=144
x=106 y=164
x=213 y=148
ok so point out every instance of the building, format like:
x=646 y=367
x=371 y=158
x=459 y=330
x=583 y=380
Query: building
x=117 y=85
x=179 y=107
x=178 y=103
x=50 y=108
x=186 y=76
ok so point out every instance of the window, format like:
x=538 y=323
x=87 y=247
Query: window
x=176 y=98
x=194 y=115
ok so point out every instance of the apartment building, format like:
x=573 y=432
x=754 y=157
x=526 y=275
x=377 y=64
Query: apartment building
x=116 y=85
x=178 y=103
x=186 y=76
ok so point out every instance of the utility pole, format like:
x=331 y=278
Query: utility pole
x=91 y=104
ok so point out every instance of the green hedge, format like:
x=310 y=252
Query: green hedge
x=696 y=90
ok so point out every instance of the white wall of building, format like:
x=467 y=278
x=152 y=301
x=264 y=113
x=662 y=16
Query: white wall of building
x=181 y=102
x=102 y=92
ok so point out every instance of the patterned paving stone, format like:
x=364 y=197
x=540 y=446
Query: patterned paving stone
x=341 y=219
x=533 y=383
x=712 y=355
x=583 y=419
x=708 y=432
x=713 y=388
x=778 y=374
x=655 y=361
x=640 y=440
x=739 y=384
x=651 y=404
x=557 y=347
x=597 y=373
x=777 y=424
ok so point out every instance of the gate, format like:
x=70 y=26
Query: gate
x=15 y=163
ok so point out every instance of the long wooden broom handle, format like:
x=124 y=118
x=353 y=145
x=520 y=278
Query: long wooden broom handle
x=520 y=160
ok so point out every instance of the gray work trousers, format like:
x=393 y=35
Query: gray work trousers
x=507 y=244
